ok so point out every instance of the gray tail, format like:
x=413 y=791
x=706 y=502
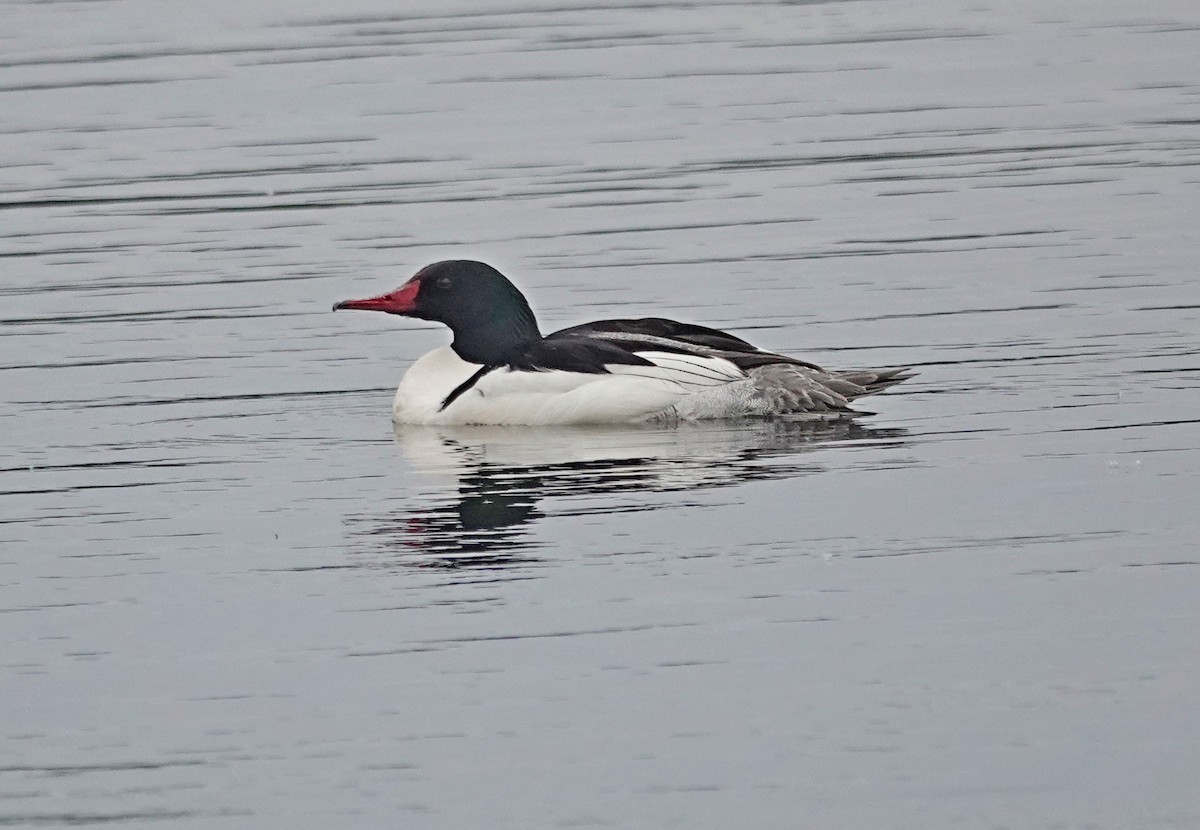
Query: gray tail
x=858 y=383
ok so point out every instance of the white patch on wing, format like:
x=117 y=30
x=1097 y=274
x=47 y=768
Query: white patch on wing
x=689 y=371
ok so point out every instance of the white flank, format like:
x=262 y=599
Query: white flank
x=504 y=396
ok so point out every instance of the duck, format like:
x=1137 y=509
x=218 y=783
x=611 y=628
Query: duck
x=499 y=368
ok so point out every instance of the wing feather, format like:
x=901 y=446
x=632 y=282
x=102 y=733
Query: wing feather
x=685 y=370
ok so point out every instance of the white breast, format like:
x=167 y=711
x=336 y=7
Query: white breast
x=504 y=396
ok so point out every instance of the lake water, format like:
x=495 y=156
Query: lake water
x=231 y=597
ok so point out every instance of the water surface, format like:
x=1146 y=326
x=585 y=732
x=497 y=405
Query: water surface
x=231 y=596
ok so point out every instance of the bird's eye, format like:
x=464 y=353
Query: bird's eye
x=443 y=282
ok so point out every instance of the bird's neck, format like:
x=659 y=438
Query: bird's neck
x=499 y=339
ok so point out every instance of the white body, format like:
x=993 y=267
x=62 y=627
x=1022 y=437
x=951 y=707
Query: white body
x=689 y=387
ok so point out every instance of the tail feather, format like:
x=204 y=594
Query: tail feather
x=790 y=389
x=868 y=381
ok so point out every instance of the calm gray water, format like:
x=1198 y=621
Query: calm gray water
x=230 y=597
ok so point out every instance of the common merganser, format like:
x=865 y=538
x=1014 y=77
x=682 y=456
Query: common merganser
x=500 y=369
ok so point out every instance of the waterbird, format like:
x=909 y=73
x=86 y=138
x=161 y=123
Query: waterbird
x=500 y=369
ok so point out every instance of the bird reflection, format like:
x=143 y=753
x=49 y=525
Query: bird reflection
x=485 y=484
